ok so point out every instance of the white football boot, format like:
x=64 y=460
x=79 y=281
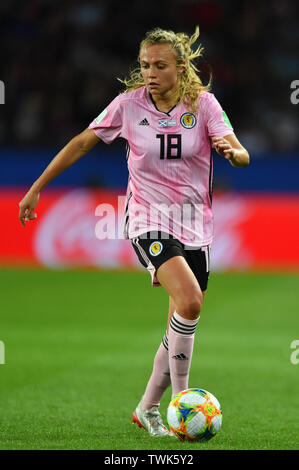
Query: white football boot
x=151 y=421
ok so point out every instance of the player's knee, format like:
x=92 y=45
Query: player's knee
x=189 y=306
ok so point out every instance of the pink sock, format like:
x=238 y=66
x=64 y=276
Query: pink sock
x=180 y=343
x=160 y=378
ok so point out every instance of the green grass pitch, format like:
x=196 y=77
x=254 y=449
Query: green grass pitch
x=79 y=347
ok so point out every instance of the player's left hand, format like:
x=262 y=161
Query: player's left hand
x=223 y=147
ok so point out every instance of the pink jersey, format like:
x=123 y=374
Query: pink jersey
x=170 y=163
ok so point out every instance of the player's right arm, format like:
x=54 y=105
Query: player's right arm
x=72 y=152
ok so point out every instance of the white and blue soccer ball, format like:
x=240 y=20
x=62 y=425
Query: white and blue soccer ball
x=194 y=414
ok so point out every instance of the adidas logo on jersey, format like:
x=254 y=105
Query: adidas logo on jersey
x=144 y=122
x=180 y=357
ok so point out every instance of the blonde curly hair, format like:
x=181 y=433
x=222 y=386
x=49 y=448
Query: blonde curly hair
x=190 y=85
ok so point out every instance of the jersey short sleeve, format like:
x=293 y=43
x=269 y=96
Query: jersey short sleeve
x=110 y=122
x=218 y=124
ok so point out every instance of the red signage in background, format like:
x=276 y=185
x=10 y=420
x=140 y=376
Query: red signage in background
x=252 y=231
x=256 y=231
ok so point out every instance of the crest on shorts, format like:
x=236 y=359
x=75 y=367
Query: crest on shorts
x=155 y=248
x=188 y=120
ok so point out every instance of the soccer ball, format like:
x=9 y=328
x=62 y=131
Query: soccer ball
x=194 y=414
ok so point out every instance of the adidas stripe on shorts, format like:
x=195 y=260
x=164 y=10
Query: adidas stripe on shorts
x=154 y=248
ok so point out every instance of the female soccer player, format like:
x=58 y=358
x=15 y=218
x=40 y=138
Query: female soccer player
x=170 y=121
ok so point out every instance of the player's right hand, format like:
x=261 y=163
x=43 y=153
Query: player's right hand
x=27 y=206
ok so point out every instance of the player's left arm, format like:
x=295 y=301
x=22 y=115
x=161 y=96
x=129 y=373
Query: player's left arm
x=230 y=148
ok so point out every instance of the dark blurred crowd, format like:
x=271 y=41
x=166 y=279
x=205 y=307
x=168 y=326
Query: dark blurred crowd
x=61 y=59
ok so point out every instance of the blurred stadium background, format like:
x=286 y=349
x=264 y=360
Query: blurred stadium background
x=60 y=60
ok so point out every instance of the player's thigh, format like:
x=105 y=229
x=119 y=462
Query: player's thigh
x=182 y=286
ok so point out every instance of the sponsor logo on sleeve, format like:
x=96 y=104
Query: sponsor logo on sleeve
x=226 y=120
x=101 y=116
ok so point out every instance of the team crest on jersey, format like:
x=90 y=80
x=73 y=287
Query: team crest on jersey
x=155 y=248
x=188 y=120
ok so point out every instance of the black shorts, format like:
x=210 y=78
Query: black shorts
x=154 y=248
